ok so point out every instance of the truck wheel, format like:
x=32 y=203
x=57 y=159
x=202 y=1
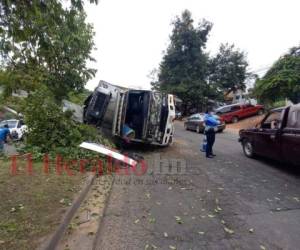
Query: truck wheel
x=260 y=112
x=235 y=119
x=248 y=148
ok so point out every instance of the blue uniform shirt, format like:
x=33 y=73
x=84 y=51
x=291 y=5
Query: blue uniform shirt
x=210 y=121
x=3 y=133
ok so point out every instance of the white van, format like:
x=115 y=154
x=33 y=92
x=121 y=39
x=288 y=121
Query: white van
x=147 y=114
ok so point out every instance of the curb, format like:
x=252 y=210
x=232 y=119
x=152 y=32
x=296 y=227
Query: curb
x=56 y=237
x=101 y=219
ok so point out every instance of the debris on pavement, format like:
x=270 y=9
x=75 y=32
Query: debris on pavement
x=108 y=152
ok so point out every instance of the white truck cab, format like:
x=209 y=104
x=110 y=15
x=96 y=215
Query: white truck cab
x=148 y=115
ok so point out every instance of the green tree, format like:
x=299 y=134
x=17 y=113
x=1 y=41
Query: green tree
x=43 y=42
x=228 y=69
x=184 y=67
x=282 y=80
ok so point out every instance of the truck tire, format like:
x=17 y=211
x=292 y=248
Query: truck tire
x=248 y=148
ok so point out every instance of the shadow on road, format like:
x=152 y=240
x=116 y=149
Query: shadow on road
x=280 y=166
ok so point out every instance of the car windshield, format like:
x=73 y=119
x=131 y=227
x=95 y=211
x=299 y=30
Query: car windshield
x=222 y=110
x=11 y=124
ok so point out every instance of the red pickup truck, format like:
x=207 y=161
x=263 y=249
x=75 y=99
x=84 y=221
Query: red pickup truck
x=233 y=113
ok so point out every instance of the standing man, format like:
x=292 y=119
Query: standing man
x=211 y=124
x=4 y=132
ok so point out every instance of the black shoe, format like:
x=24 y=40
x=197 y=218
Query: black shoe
x=213 y=155
x=209 y=156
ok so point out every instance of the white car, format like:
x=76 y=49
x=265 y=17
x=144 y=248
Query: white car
x=17 y=128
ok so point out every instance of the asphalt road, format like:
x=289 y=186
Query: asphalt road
x=228 y=202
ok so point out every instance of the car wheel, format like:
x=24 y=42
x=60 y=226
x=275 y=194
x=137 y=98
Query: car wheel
x=221 y=131
x=198 y=130
x=260 y=112
x=235 y=119
x=248 y=148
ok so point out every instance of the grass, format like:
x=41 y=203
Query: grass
x=32 y=206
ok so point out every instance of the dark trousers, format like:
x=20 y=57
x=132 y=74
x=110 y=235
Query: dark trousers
x=210 y=137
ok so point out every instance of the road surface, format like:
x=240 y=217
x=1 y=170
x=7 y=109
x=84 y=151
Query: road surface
x=228 y=202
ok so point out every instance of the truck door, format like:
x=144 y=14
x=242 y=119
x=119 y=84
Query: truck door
x=267 y=138
x=291 y=137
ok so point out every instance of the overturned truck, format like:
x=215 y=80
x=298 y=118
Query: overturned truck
x=132 y=115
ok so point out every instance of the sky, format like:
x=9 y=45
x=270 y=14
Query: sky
x=131 y=35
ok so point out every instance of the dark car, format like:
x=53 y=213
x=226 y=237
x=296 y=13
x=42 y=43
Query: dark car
x=196 y=122
x=277 y=136
x=233 y=113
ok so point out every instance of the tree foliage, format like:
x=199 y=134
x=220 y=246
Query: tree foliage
x=282 y=80
x=52 y=130
x=228 y=69
x=184 y=67
x=43 y=42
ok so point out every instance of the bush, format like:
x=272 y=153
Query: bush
x=50 y=130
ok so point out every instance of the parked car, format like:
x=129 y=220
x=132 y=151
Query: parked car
x=196 y=122
x=277 y=136
x=233 y=113
x=17 y=128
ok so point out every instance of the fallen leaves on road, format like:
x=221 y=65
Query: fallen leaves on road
x=13 y=210
x=148 y=195
x=296 y=199
x=211 y=215
x=165 y=234
x=262 y=247
x=228 y=230
x=251 y=230
x=152 y=220
x=172 y=247
x=136 y=221
x=201 y=233
x=178 y=219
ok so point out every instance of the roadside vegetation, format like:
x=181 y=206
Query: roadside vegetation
x=50 y=66
x=44 y=49
x=189 y=72
x=282 y=81
x=32 y=205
